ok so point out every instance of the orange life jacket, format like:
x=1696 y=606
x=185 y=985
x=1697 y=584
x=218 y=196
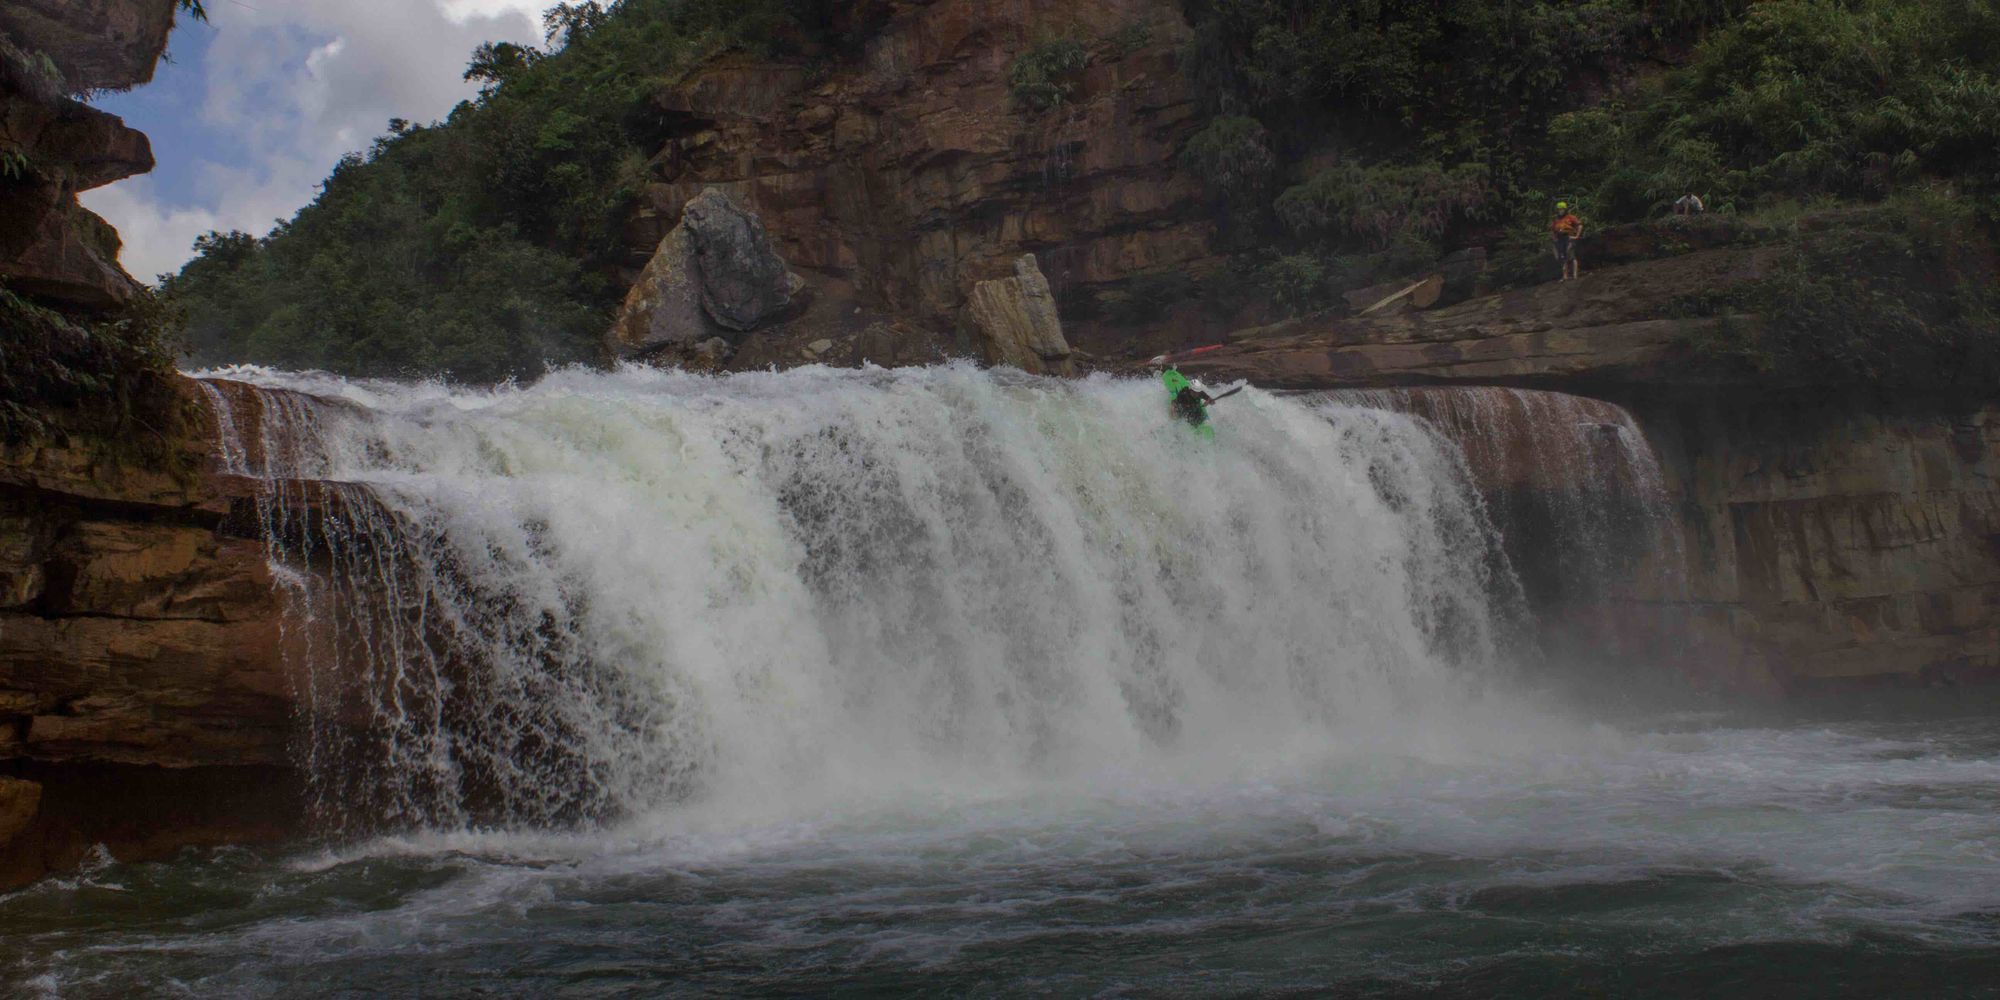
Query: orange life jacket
x=1568 y=225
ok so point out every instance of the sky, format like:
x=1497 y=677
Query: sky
x=250 y=111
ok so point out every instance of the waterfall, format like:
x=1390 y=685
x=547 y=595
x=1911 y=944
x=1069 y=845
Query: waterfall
x=614 y=593
x=1573 y=477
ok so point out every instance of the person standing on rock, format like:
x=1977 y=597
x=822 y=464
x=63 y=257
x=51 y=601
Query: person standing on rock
x=1567 y=229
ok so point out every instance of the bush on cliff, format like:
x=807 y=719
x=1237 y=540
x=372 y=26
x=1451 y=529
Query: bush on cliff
x=1460 y=123
x=488 y=245
x=1407 y=123
x=1044 y=76
x=104 y=382
x=1901 y=297
x=1854 y=99
x=1231 y=156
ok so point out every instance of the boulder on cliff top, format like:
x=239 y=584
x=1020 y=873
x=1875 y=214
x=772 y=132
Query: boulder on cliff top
x=716 y=272
x=1016 y=321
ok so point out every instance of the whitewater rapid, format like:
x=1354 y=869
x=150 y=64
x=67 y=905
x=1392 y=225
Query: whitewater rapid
x=610 y=594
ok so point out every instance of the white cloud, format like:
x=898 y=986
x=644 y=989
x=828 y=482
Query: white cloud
x=156 y=236
x=463 y=10
x=299 y=85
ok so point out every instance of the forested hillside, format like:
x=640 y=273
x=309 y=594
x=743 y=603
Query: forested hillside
x=483 y=246
x=1342 y=143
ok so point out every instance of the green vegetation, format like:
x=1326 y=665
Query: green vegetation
x=1134 y=36
x=1896 y=297
x=487 y=246
x=1344 y=144
x=1802 y=98
x=1044 y=77
x=1405 y=127
x=103 y=382
x=1232 y=157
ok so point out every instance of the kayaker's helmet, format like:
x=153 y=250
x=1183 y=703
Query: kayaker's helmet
x=1562 y=206
x=1197 y=386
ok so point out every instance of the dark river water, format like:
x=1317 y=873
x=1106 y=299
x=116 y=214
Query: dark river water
x=1834 y=852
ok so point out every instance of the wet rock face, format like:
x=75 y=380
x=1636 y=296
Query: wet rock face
x=716 y=272
x=19 y=802
x=140 y=648
x=1831 y=545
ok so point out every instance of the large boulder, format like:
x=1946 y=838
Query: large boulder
x=663 y=309
x=1016 y=323
x=714 y=274
x=744 y=282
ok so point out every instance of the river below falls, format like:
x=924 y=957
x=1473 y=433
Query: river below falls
x=1836 y=851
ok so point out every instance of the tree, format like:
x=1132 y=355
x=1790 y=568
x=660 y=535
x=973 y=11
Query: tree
x=494 y=63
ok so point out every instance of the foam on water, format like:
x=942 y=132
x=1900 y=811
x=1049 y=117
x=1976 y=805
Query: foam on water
x=1866 y=844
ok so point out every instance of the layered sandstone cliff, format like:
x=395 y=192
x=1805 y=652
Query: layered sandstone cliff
x=53 y=146
x=143 y=702
x=1831 y=543
x=900 y=176
x=143 y=707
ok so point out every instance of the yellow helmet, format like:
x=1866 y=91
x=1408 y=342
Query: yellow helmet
x=1562 y=206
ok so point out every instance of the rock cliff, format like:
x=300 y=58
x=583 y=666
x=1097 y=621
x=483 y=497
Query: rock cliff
x=143 y=705
x=898 y=177
x=52 y=146
x=1832 y=542
x=1828 y=538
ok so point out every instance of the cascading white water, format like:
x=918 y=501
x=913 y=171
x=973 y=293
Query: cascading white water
x=946 y=682
x=1575 y=475
x=608 y=593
